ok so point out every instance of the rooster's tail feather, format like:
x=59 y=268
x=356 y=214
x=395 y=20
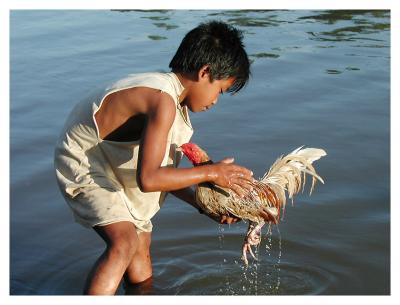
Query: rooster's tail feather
x=288 y=173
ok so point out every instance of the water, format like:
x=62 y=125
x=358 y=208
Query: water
x=319 y=78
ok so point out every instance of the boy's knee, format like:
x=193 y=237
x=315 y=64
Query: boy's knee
x=139 y=270
x=123 y=248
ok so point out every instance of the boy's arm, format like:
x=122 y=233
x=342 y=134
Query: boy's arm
x=152 y=177
x=188 y=195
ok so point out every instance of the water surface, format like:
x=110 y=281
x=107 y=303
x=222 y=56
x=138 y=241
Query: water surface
x=319 y=78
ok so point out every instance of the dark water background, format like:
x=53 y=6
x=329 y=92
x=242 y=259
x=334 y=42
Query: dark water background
x=319 y=78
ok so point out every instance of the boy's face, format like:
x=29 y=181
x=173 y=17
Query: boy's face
x=204 y=94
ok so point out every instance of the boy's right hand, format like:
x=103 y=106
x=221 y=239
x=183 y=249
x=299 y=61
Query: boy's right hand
x=229 y=175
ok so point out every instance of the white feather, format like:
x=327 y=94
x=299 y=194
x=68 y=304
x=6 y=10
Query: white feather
x=288 y=173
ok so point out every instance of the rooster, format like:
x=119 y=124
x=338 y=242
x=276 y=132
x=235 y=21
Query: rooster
x=286 y=175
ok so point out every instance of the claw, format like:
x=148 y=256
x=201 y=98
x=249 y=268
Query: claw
x=247 y=248
x=251 y=252
x=253 y=238
x=244 y=255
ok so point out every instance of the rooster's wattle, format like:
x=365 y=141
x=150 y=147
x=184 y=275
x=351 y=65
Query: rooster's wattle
x=286 y=175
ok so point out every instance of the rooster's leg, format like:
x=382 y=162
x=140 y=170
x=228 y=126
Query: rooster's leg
x=253 y=238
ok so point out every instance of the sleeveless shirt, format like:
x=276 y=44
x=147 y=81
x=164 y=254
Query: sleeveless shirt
x=98 y=177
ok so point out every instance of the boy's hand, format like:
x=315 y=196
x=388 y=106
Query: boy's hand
x=224 y=219
x=228 y=219
x=229 y=175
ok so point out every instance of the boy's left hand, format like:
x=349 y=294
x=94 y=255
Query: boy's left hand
x=224 y=219
x=228 y=219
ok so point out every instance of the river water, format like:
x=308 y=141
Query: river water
x=319 y=78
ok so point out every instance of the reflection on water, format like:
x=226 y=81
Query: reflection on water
x=333 y=71
x=140 y=11
x=360 y=29
x=156 y=37
x=349 y=33
x=333 y=16
x=158 y=18
x=264 y=55
x=253 y=21
x=362 y=25
x=319 y=78
x=165 y=26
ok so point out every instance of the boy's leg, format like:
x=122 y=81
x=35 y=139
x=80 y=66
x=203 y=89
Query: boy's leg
x=139 y=268
x=122 y=241
x=142 y=288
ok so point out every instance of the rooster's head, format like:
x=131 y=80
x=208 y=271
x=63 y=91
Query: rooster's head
x=194 y=153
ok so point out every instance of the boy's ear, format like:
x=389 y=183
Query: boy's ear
x=204 y=72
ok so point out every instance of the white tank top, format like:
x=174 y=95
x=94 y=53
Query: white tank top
x=84 y=161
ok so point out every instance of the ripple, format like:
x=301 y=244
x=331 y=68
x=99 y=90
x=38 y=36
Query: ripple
x=257 y=279
x=333 y=16
x=253 y=22
x=157 y=18
x=165 y=25
x=156 y=37
x=338 y=241
x=333 y=71
x=296 y=279
x=265 y=55
x=207 y=270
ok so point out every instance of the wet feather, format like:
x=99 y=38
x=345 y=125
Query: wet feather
x=286 y=176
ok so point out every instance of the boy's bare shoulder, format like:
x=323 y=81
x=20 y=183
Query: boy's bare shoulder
x=138 y=100
x=147 y=100
x=158 y=106
x=123 y=107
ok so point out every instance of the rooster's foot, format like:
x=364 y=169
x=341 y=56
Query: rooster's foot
x=253 y=238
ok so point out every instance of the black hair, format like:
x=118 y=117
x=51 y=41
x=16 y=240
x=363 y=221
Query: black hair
x=218 y=45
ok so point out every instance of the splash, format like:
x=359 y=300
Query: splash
x=276 y=270
x=262 y=276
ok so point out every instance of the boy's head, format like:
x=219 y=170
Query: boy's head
x=216 y=45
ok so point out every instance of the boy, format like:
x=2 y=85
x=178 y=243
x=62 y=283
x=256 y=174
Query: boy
x=117 y=155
